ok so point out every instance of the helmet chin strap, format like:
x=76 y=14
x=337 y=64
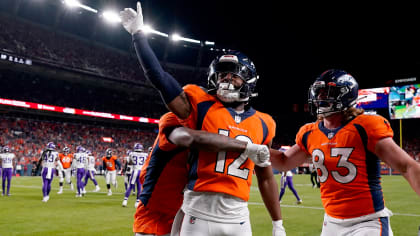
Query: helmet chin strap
x=226 y=92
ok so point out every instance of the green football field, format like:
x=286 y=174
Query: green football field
x=23 y=213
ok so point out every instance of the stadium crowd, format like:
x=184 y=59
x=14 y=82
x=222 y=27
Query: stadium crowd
x=66 y=51
x=26 y=138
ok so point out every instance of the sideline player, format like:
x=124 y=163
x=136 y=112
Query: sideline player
x=347 y=147
x=165 y=171
x=218 y=191
x=80 y=163
x=49 y=160
x=136 y=158
x=109 y=162
x=286 y=180
x=7 y=161
x=64 y=170
x=128 y=171
x=90 y=171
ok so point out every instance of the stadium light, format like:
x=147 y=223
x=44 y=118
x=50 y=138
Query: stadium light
x=177 y=37
x=148 y=29
x=111 y=17
x=209 y=43
x=75 y=3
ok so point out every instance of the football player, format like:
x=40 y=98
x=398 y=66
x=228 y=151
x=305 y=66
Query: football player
x=7 y=161
x=90 y=171
x=128 y=170
x=110 y=162
x=136 y=158
x=64 y=170
x=79 y=163
x=346 y=147
x=218 y=191
x=286 y=180
x=49 y=159
x=165 y=172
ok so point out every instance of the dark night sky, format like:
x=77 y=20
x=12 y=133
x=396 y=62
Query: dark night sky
x=290 y=44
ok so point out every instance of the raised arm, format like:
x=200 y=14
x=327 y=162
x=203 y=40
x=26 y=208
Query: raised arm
x=389 y=152
x=170 y=90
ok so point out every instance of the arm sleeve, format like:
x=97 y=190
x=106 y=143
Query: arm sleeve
x=168 y=87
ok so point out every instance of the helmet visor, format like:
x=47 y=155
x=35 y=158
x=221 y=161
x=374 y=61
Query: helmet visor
x=234 y=68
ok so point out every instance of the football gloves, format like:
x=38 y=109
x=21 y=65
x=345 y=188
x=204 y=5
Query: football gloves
x=278 y=229
x=131 y=20
x=259 y=154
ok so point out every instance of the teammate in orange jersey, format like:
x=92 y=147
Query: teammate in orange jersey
x=109 y=163
x=64 y=171
x=219 y=182
x=347 y=147
x=165 y=172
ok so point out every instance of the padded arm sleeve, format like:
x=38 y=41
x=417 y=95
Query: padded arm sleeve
x=168 y=87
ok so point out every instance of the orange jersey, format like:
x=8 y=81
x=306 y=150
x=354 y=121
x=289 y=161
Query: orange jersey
x=65 y=160
x=163 y=177
x=110 y=163
x=347 y=167
x=224 y=172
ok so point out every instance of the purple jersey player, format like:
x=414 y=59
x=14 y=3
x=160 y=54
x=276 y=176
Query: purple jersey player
x=49 y=159
x=7 y=161
x=79 y=160
x=287 y=180
x=90 y=171
x=136 y=158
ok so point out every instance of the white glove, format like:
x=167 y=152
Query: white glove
x=131 y=20
x=278 y=229
x=259 y=154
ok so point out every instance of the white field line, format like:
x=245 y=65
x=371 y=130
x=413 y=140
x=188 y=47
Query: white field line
x=250 y=203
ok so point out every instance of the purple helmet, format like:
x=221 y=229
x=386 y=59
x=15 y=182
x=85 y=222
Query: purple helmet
x=89 y=152
x=80 y=149
x=138 y=147
x=6 y=149
x=128 y=152
x=50 y=146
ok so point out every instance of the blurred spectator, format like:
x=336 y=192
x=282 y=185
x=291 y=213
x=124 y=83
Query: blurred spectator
x=27 y=137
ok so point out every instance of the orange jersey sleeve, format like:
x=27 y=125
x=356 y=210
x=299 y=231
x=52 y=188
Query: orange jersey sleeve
x=224 y=172
x=347 y=167
x=65 y=160
x=163 y=177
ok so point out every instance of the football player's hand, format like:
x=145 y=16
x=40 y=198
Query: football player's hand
x=259 y=154
x=131 y=20
x=278 y=229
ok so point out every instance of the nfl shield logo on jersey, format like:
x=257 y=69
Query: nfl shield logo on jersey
x=238 y=119
x=330 y=135
x=192 y=220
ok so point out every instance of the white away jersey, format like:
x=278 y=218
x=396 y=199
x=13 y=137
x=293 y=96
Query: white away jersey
x=80 y=159
x=90 y=162
x=7 y=160
x=48 y=158
x=138 y=159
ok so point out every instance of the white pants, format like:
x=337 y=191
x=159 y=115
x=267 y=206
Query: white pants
x=111 y=177
x=373 y=224
x=67 y=175
x=198 y=227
